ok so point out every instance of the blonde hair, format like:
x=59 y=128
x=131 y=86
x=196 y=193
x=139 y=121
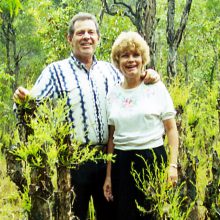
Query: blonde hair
x=130 y=41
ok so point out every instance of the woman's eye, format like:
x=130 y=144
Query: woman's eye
x=136 y=55
x=124 y=55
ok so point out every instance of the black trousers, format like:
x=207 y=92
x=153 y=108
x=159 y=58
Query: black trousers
x=124 y=189
x=88 y=181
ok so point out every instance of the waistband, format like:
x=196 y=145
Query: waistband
x=98 y=147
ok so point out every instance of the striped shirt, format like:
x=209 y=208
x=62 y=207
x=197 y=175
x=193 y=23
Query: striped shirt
x=86 y=94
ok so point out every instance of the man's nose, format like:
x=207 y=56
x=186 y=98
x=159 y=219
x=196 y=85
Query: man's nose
x=86 y=35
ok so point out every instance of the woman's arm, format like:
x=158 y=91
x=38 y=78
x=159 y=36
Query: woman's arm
x=107 y=188
x=173 y=141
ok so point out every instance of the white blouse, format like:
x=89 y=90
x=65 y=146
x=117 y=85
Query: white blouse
x=138 y=115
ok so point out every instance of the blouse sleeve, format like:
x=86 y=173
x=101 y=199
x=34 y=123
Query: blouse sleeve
x=168 y=110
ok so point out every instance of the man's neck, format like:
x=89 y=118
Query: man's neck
x=87 y=61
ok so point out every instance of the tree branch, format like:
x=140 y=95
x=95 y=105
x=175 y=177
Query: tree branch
x=126 y=6
x=170 y=21
x=183 y=21
x=108 y=8
x=128 y=13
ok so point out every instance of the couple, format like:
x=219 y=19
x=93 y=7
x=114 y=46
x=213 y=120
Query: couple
x=86 y=82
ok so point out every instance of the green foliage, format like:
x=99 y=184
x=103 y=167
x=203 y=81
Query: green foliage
x=10 y=6
x=41 y=28
x=198 y=125
x=49 y=145
x=214 y=7
x=10 y=201
x=118 y=24
x=91 y=210
x=166 y=202
x=6 y=117
x=198 y=120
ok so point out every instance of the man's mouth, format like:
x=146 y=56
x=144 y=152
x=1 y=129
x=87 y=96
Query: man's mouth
x=85 y=44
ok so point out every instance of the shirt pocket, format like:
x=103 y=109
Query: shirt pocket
x=74 y=94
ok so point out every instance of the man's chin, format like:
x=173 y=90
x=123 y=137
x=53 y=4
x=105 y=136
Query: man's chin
x=87 y=52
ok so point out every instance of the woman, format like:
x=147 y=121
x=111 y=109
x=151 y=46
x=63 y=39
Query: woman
x=138 y=115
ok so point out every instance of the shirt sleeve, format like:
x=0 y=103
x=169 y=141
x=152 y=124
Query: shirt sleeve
x=43 y=88
x=109 y=109
x=44 y=85
x=168 y=110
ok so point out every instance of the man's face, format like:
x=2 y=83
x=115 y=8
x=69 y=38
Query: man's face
x=84 y=40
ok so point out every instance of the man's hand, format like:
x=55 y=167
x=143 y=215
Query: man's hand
x=150 y=76
x=21 y=95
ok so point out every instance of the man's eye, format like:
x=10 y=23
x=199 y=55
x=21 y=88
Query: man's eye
x=92 y=32
x=80 y=33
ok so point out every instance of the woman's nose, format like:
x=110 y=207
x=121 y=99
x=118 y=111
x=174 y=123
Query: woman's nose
x=130 y=58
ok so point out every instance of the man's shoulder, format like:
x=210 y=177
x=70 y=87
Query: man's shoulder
x=58 y=64
x=107 y=66
x=102 y=62
x=61 y=62
x=56 y=67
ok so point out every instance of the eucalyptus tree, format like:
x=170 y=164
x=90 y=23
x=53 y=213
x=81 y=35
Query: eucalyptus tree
x=174 y=37
x=142 y=14
x=9 y=9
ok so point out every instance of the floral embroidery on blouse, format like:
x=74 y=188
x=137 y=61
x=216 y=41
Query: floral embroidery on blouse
x=127 y=102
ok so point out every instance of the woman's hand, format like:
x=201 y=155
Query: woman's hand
x=107 y=188
x=172 y=175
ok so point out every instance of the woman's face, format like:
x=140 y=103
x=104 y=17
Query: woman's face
x=131 y=63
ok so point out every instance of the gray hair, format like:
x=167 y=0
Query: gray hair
x=82 y=16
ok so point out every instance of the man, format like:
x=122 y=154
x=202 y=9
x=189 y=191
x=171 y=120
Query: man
x=85 y=81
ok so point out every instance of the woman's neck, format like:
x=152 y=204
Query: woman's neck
x=131 y=83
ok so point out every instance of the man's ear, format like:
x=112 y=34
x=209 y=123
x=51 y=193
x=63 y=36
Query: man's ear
x=69 y=38
x=99 y=39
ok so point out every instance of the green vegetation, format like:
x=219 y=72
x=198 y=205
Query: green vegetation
x=33 y=34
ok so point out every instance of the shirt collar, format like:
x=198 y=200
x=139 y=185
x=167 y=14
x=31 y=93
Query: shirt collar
x=79 y=63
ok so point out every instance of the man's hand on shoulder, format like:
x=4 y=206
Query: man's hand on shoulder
x=150 y=76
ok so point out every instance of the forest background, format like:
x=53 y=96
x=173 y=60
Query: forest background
x=185 y=50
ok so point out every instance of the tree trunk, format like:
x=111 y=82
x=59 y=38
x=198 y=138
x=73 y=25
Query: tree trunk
x=41 y=194
x=171 y=62
x=212 y=189
x=174 y=37
x=64 y=195
x=147 y=27
x=9 y=38
x=143 y=18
